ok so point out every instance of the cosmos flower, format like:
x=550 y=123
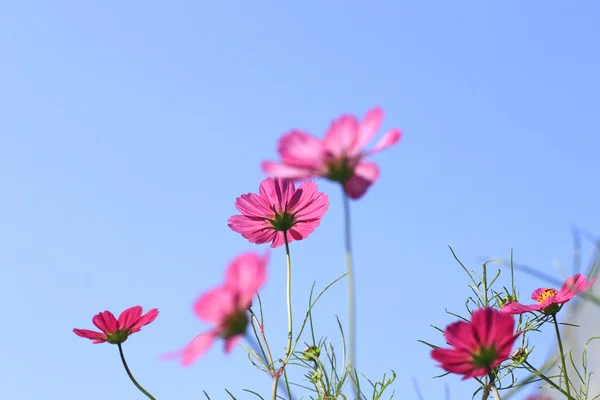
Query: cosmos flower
x=279 y=208
x=226 y=306
x=117 y=331
x=340 y=157
x=477 y=346
x=550 y=301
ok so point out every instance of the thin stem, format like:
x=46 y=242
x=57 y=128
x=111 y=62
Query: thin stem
x=131 y=376
x=288 y=349
x=495 y=392
x=544 y=378
x=562 y=356
x=351 y=295
x=264 y=339
x=485 y=287
x=275 y=382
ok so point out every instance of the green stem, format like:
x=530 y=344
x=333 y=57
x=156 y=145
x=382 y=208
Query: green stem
x=131 y=376
x=562 y=356
x=495 y=392
x=288 y=350
x=275 y=382
x=544 y=378
x=351 y=295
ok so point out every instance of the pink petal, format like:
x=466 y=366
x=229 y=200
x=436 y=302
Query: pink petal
x=215 y=305
x=252 y=205
x=460 y=335
x=97 y=337
x=310 y=204
x=256 y=231
x=367 y=130
x=106 y=322
x=129 y=317
x=196 y=348
x=283 y=170
x=365 y=174
x=278 y=240
x=301 y=150
x=388 y=139
x=144 y=320
x=341 y=135
x=231 y=342
x=277 y=192
x=491 y=327
x=572 y=287
x=245 y=275
x=514 y=308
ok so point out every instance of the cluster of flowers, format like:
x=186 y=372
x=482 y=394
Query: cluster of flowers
x=481 y=345
x=281 y=213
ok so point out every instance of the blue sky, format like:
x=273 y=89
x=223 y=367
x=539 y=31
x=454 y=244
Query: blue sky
x=128 y=129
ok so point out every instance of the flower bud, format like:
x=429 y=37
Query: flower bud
x=311 y=353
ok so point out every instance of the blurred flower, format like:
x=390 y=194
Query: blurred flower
x=339 y=157
x=550 y=300
x=279 y=207
x=538 y=397
x=227 y=306
x=117 y=331
x=479 y=345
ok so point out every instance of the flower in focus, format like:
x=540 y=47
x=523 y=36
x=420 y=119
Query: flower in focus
x=279 y=208
x=550 y=301
x=479 y=345
x=116 y=331
x=339 y=157
x=226 y=306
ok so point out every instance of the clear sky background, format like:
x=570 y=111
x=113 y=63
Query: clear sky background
x=127 y=130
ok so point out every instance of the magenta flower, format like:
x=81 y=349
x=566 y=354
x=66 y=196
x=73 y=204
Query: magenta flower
x=339 y=157
x=227 y=306
x=479 y=345
x=117 y=331
x=279 y=207
x=550 y=301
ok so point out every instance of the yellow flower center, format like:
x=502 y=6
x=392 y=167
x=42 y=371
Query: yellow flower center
x=545 y=294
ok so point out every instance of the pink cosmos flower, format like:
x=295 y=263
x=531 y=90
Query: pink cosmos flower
x=279 y=207
x=479 y=345
x=550 y=301
x=117 y=331
x=339 y=157
x=226 y=306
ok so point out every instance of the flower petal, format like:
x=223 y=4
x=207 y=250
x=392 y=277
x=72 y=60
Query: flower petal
x=144 y=320
x=231 y=342
x=129 y=317
x=106 y=322
x=367 y=130
x=460 y=335
x=365 y=174
x=515 y=308
x=283 y=170
x=572 y=287
x=97 y=337
x=215 y=305
x=245 y=275
x=255 y=230
x=341 y=136
x=299 y=149
x=197 y=347
x=388 y=139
